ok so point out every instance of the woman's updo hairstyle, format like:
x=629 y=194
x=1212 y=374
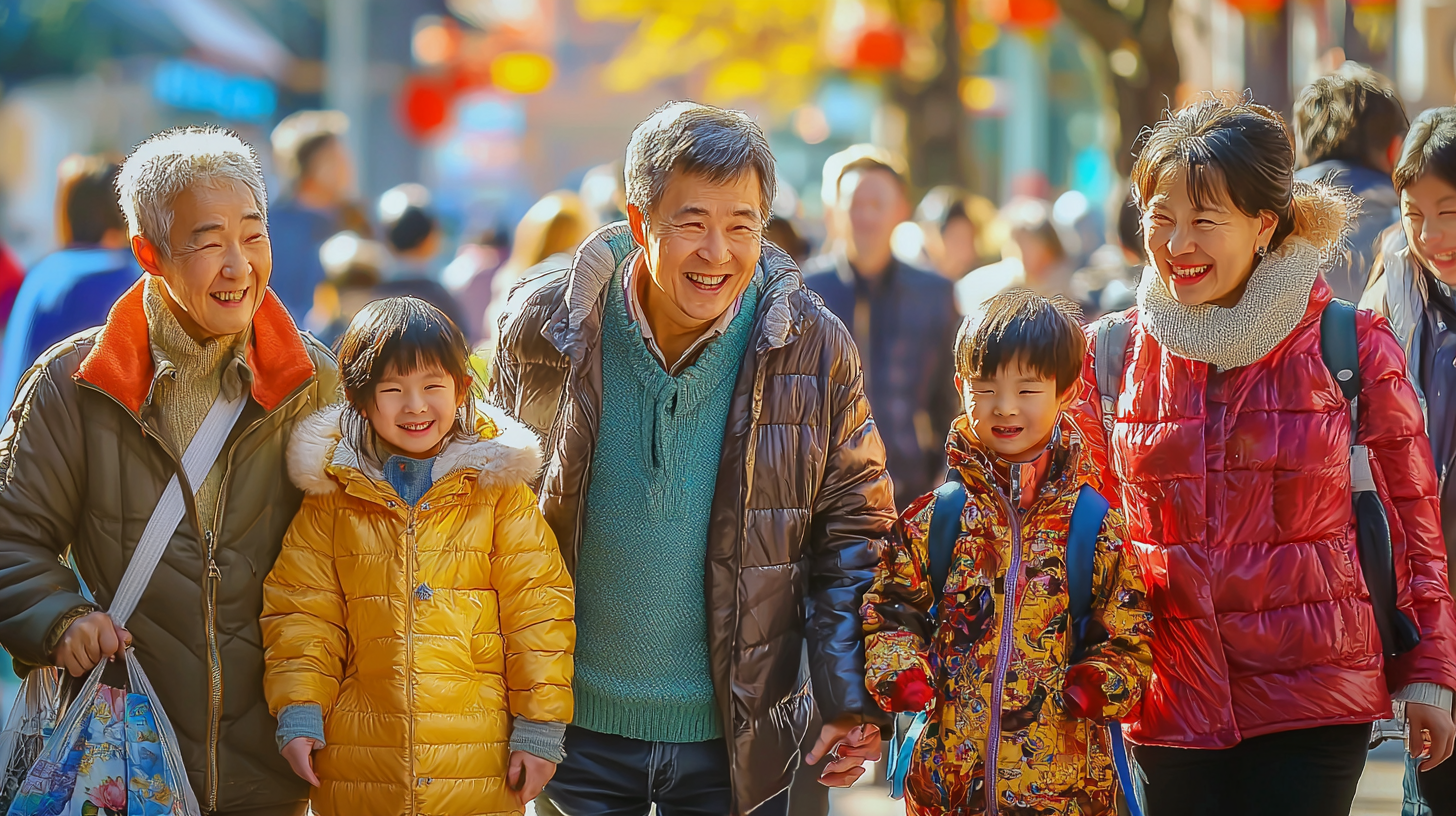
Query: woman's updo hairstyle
x=1430 y=147
x=1236 y=148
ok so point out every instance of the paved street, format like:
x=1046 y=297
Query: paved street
x=1379 y=794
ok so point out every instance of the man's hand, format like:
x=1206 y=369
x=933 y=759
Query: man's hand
x=850 y=743
x=528 y=775
x=1431 y=729
x=299 y=753
x=89 y=639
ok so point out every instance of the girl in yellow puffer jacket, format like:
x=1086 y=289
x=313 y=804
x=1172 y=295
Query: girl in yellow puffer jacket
x=418 y=622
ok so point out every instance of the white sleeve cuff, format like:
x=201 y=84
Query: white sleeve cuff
x=1427 y=694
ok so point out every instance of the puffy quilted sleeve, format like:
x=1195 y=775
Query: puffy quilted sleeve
x=853 y=512
x=305 y=643
x=1392 y=426
x=897 y=621
x=1123 y=662
x=537 y=610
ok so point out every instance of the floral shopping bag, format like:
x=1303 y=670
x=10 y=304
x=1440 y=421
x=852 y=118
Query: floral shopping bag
x=112 y=755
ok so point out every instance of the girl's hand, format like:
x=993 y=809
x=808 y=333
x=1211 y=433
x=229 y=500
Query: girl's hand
x=528 y=775
x=299 y=753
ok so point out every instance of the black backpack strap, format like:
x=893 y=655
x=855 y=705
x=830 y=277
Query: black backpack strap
x=1341 y=353
x=1340 y=349
x=1112 y=334
x=945 y=528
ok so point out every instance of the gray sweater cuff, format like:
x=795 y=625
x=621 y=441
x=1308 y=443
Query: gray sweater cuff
x=1426 y=693
x=300 y=720
x=546 y=740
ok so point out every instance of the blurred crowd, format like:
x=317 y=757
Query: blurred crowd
x=896 y=270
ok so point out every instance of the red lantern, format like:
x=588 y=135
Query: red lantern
x=879 y=49
x=1257 y=8
x=425 y=105
x=1031 y=13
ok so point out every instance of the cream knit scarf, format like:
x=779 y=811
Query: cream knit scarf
x=1272 y=306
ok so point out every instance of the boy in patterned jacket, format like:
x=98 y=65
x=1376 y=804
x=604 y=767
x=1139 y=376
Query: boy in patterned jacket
x=1015 y=703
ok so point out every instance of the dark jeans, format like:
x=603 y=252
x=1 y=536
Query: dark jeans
x=1430 y=793
x=1310 y=772
x=607 y=775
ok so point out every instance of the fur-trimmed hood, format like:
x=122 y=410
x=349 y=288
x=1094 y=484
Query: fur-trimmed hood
x=503 y=451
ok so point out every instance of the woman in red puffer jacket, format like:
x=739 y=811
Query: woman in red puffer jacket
x=1229 y=451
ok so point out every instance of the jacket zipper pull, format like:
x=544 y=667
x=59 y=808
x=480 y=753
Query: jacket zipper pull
x=212 y=570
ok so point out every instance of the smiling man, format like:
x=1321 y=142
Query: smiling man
x=99 y=426
x=715 y=481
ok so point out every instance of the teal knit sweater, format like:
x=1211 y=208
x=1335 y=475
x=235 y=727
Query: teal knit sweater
x=641 y=617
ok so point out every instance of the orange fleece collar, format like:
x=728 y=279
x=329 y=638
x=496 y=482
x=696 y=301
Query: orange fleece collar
x=121 y=361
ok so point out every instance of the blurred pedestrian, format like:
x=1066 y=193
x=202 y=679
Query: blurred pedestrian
x=674 y=361
x=353 y=269
x=903 y=319
x=1414 y=286
x=1023 y=466
x=602 y=195
x=1234 y=454
x=782 y=233
x=414 y=238
x=1109 y=281
x=1348 y=128
x=411 y=456
x=952 y=236
x=548 y=234
x=1036 y=259
x=319 y=187
x=99 y=432
x=470 y=277
x=73 y=288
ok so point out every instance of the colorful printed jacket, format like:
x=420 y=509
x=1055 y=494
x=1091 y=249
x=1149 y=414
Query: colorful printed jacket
x=1047 y=761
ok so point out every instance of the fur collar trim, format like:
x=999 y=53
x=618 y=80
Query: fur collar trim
x=1272 y=307
x=504 y=452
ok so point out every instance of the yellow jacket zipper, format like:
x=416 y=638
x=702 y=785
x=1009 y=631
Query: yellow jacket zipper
x=409 y=648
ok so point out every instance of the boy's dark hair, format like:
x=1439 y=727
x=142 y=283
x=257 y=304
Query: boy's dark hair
x=410 y=228
x=1351 y=115
x=89 y=202
x=401 y=335
x=1430 y=147
x=1043 y=334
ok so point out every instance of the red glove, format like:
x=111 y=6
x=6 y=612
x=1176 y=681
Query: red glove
x=1082 y=692
x=910 y=691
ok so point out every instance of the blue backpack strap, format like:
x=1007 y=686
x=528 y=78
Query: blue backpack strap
x=1087 y=515
x=945 y=529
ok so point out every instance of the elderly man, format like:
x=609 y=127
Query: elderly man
x=715 y=480
x=97 y=431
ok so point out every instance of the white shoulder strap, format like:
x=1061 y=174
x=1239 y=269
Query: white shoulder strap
x=197 y=461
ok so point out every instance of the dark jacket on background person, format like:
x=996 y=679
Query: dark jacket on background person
x=83 y=463
x=1422 y=313
x=905 y=327
x=1379 y=208
x=801 y=504
x=297 y=233
x=67 y=292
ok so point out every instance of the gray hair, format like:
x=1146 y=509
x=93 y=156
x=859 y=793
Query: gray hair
x=160 y=168
x=716 y=144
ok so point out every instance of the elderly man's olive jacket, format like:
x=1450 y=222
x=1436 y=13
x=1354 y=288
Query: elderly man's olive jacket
x=82 y=465
x=801 y=506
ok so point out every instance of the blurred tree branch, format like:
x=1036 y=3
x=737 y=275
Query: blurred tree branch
x=1140 y=29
